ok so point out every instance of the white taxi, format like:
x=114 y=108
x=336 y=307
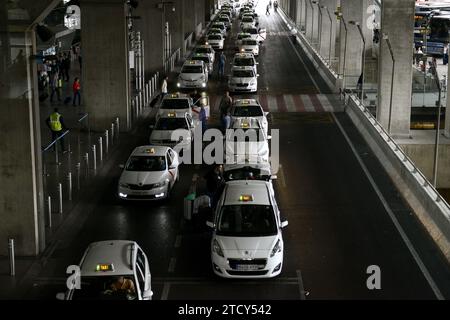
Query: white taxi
x=245 y=59
x=246 y=140
x=111 y=270
x=178 y=103
x=207 y=49
x=173 y=130
x=247 y=240
x=250 y=46
x=248 y=171
x=216 y=40
x=149 y=174
x=250 y=108
x=243 y=79
x=221 y=26
x=247 y=21
x=194 y=74
x=256 y=34
x=206 y=59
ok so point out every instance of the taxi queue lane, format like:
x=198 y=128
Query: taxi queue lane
x=337 y=226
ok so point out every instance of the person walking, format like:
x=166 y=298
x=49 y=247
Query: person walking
x=225 y=109
x=76 y=91
x=55 y=122
x=164 y=87
x=445 y=58
x=55 y=85
x=214 y=184
x=268 y=10
x=222 y=60
x=203 y=119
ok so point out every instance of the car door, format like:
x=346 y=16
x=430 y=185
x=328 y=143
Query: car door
x=143 y=275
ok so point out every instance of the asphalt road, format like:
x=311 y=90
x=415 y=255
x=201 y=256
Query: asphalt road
x=338 y=226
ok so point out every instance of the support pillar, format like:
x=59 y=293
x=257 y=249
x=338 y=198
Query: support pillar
x=397 y=21
x=105 y=75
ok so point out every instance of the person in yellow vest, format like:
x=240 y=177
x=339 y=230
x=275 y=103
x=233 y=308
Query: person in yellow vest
x=56 y=124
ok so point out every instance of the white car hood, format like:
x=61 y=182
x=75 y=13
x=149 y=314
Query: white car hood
x=254 y=148
x=246 y=247
x=166 y=134
x=241 y=80
x=141 y=178
x=191 y=76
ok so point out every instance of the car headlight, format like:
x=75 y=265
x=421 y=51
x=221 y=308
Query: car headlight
x=276 y=248
x=253 y=82
x=124 y=185
x=178 y=84
x=217 y=249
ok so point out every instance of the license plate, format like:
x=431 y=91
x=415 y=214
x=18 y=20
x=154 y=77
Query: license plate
x=247 y=267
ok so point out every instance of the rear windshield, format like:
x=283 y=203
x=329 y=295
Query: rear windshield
x=218 y=26
x=175 y=104
x=251 y=30
x=204 y=59
x=247 y=19
x=203 y=50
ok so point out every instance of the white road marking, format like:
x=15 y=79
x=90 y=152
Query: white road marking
x=327 y=106
x=289 y=102
x=397 y=225
x=272 y=103
x=309 y=107
x=165 y=292
x=300 y=285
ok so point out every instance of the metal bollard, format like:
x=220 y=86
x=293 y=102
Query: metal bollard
x=12 y=259
x=60 y=198
x=147 y=95
x=117 y=126
x=112 y=134
x=86 y=158
x=56 y=154
x=49 y=209
x=69 y=185
x=94 y=157
x=150 y=91
x=78 y=168
x=100 y=148
x=106 y=141
x=69 y=155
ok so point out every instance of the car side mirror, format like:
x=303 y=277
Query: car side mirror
x=266 y=113
x=284 y=224
x=273 y=177
x=269 y=137
x=121 y=166
x=257 y=75
x=210 y=224
x=60 y=296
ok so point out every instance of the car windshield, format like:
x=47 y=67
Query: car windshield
x=214 y=37
x=146 y=163
x=224 y=19
x=249 y=42
x=171 y=124
x=247 y=111
x=247 y=19
x=204 y=59
x=243 y=74
x=192 y=69
x=218 y=26
x=175 y=104
x=243 y=36
x=203 y=50
x=105 y=288
x=251 y=30
x=247 y=221
x=241 y=62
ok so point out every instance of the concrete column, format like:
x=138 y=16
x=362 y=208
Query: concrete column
x=21 y=195
x=397 y=21
x=447 y=114
x=105 y=76
x=176 y=24
x=200 y=10
x=328 y=28
x=308 y=19
x=293 y=9
x=189 y=21
x=355 y=11
x=151 y=26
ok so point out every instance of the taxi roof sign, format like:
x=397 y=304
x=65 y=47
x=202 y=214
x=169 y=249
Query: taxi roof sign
x=151 y=150
x=246 y=198
x=245 y=124
x=104 y=267
x=171 y=114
